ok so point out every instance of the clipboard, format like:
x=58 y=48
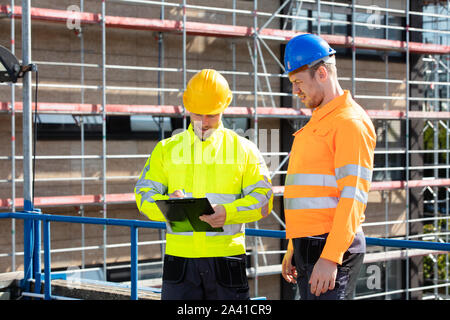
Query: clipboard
x=183 y=214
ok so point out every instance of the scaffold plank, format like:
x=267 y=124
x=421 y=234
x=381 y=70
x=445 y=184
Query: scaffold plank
x=72 y=200
x=220 y=30
x=52 y=15
x=392 y=185
x=233 y=111
x=119 y=198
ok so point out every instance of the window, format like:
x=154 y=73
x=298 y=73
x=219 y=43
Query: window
x=389 y=137
x=337 y=21
x=300 y=24
x=378 y=32
x=435 y=23
x=134 y=127
x=236 y=124
x=337 y=25
x=68 y=127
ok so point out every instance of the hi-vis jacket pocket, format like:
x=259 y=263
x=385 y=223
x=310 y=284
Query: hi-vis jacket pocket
x=321 y=132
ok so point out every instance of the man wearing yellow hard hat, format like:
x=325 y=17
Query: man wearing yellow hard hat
x=206 y=160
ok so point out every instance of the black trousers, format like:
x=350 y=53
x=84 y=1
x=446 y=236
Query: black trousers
x=306 y=253
x=218 y=278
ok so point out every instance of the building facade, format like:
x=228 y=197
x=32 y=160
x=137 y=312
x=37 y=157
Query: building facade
x=108 y=92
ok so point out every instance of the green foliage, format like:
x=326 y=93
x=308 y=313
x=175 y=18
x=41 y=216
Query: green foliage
x=428 y=263
x=428 y=267
x=428 y=144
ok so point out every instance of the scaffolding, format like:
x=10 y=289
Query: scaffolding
x=427 y=43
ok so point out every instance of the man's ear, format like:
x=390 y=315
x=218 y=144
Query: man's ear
x=322 y=73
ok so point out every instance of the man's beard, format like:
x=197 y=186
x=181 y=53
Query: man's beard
x=313 y=102
x=203 y=135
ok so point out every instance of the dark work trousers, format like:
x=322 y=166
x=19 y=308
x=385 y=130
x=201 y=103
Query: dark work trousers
x=218 y=278
x=306 y=253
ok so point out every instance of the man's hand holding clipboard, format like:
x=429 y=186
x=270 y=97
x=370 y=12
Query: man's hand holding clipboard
x=216 y=220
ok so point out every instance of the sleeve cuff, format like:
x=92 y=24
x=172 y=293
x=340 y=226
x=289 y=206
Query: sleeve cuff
x=336 y=257
x=231 y=211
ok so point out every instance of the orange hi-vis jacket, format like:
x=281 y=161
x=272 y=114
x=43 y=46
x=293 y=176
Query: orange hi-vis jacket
x=329 y=175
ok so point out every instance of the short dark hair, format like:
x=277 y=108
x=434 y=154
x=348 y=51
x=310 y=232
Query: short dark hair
x=329 y=66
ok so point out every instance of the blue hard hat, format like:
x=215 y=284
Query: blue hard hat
x=304 y=49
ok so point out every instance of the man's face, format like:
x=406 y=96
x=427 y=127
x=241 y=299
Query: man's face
x=205 y=124
x=307 y=88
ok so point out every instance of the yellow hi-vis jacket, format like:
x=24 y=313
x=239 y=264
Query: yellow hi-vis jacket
x=226 y=168
x=329 y=175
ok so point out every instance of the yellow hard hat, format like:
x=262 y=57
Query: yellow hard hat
x=207 y=93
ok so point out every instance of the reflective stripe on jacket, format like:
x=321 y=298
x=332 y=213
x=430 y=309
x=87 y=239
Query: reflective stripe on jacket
x=329 y=175
x=225 y=168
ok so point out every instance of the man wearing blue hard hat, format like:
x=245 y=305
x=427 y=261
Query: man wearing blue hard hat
x=309 y=52
x=328 y=177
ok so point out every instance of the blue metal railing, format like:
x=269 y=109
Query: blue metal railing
x=32 y=243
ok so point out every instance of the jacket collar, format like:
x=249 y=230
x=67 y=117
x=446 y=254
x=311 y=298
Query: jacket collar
x=321 y=112
x=211 y=139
